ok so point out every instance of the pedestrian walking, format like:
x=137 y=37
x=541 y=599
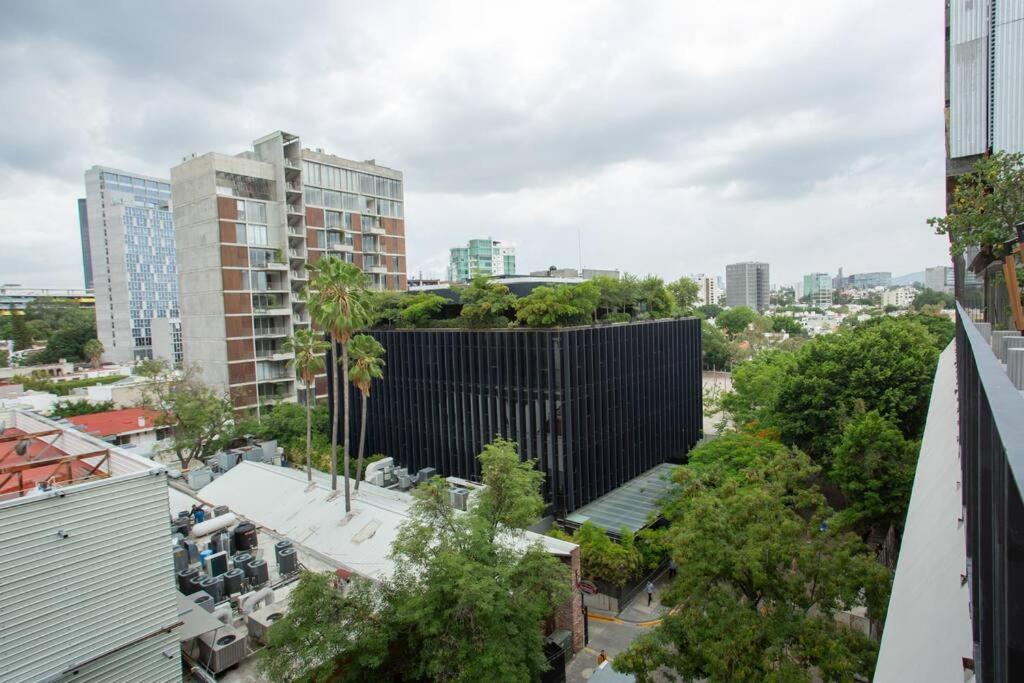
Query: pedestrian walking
x=650 y=593
x=602 y=658
x=672 y=568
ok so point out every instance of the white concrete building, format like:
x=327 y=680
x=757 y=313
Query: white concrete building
x=709 y=288
x=131 y=246
x=901 y=297
x=86 y=575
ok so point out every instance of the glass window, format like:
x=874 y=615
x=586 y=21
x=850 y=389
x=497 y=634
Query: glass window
x=109 y=177
x=240 y=233
x=256 y=212
x=332 y=199
x=314 y=196
x=240 y=209
x=332 y=219
x=257 y=234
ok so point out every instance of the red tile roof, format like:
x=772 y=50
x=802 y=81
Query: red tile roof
x=115 y=422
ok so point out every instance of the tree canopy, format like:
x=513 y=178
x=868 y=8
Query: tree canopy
x=714 y=347
x=555 y=306
x=759 y=581
x=930 y=297
x=486 y=303
x=735 y=320
x=685 y=292
x=467 y=602
x=987 y=204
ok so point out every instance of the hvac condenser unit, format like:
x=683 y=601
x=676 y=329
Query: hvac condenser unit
x=459 y=498
x=260 y=621
x=221 y=649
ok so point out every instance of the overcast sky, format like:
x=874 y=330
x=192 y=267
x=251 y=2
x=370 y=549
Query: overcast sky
x=675 y=138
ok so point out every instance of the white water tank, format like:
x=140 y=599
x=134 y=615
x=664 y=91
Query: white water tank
x=211 y=525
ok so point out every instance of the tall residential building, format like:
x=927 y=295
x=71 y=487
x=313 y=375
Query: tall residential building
x=747 y=284
x=709 y=288
x=939 y=278
x=83 y=234
x=247 y=226
x=131 y=244
x=481 y=257
x=818 y=289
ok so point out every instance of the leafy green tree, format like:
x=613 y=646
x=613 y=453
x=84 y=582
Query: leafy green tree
x=987 y=204
x=93 y=350
x=336 y=298
x=420 y=309
x=710 y=310
x=68 y=342
x=874 y=467
x=788 y=324
x=759 y=583
x=486 y=303
x=384 y=307
x=653 y=298
x=308 y=347
x=613 y=296
x=20 y=334
x=685 y=292
x=930 y=297
x=469 y=599
x=327 y=635
x=201 y=417
x=65 y=409
x=603 y=559
x=725 y=457
x=367 y=365
x=735 y=320
x=553 y=307
x=714 y=347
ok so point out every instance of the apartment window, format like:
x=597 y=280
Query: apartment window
x=394 y=263
x=314 y=196
x=319 y=239
x=332 y=199
x=332 y=219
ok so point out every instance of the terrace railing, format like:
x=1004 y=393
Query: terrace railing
x=992 y=460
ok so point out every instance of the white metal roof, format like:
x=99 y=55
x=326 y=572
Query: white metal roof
x=313 y=516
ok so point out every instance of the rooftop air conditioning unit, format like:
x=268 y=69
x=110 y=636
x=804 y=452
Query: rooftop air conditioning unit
x=377 y=479
x=404 y=482
x=260 y=621
x=425 y=474
x=227 y=459
x=459 y=498
x=198 y=478
x=221 y=649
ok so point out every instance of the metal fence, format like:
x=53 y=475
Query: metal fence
x=992 y=459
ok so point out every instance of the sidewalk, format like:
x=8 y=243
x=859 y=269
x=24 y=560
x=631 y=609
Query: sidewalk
x=638 y=611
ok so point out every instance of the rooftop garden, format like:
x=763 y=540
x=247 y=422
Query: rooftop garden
x=487 y=303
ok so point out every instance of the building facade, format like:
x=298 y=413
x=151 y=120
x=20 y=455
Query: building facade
x=481 y=257
x=817 y=288
x=939 y=278
x=248 y=226
x=747 y=284
x=709 y=288
x=594 y=406
x=901 y=297
x=868 y=280
x=83 y=234
x=131 y=245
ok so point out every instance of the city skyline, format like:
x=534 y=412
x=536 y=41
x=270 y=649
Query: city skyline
x=845 y=155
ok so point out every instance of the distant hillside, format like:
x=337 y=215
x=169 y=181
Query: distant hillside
x=909 y=278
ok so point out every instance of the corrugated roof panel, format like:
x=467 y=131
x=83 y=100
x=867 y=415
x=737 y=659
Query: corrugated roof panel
x=109 y=582
x=968 y=78
x=1008 y=82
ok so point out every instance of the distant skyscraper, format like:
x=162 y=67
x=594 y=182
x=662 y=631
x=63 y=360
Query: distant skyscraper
x=481 y=257
x=131 y=248
x=869 y=280
x=747 y=284
x=83 y=230
x=939 y=278
x=818 y=288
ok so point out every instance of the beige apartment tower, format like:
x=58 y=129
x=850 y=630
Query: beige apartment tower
x=247 y=227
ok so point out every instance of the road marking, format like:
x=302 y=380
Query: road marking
x=616 y=620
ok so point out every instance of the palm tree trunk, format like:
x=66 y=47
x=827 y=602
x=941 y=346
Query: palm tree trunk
x=334 y=422
x=309 y=428
x=362 y=443
x=344 y=398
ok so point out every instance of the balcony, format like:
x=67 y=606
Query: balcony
x=269 y=264
x=263 y=332
x=957 y=605
x=272 y=310
x=376 y=269
x=292 y=164
x=300 y=320
x=295 y=209
x=297 y=254
x=274 y=354
x=299 y=275
x=341 y=246
x=292 y=186
x=374 y=229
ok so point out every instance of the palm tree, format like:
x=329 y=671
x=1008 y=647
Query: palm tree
x=93 y=350
x=335 y=298
x=309 y=348
x=367 y=365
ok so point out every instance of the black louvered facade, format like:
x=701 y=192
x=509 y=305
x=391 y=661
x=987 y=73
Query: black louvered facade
x=594 y=406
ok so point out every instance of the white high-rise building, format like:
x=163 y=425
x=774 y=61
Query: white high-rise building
x=709 y=288
x=134 y=271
